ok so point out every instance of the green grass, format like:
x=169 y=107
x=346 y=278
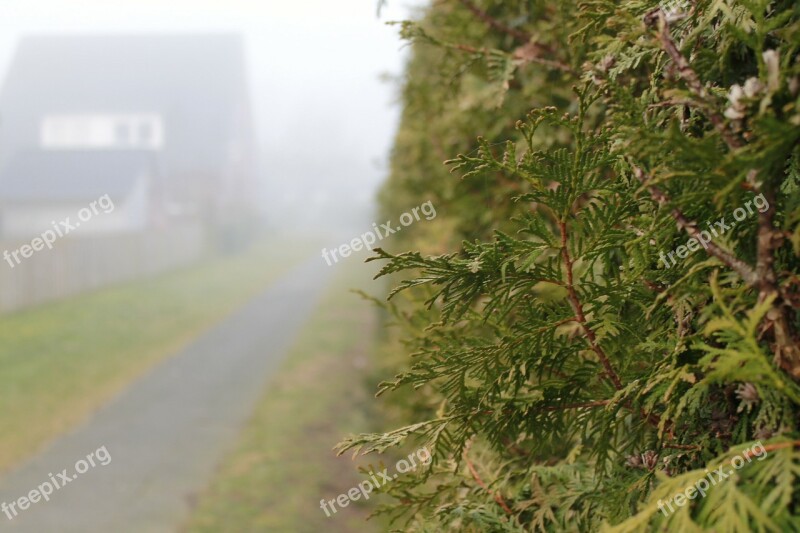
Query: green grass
x=284 y=463
x=61 y=361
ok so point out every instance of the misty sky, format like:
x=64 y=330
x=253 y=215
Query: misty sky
x=325 y=121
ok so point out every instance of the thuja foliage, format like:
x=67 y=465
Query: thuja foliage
x=567 y=372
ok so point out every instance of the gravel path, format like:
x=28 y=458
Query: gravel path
x=168 y=430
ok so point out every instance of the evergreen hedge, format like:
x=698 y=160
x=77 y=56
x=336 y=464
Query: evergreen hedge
x=606 y=307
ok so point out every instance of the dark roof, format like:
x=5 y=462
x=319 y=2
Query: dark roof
x=69 y=175
x=196 y=82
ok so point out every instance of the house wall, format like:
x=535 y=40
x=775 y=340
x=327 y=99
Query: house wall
x=78 y=92
x=30 y=220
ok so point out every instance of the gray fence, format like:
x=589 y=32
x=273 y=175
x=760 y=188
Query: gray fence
x=82 y=264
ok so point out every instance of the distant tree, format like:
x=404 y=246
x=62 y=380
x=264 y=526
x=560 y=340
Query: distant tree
x=622 y=315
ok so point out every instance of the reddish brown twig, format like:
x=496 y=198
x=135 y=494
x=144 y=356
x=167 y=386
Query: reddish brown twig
x=772 y=447
x=496 y=24
x=761 y=278
x=747 y=273
x=577 y=306
x=687 y=73
x=496 y=495
x=778 y=319
x=531 y=53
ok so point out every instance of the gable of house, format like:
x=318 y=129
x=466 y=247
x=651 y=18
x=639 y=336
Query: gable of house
x=182 y=95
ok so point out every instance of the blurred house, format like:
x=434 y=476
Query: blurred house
x=161 y=123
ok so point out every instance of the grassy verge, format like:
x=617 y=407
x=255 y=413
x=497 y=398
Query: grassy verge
x=284 y=463
x=61 y=361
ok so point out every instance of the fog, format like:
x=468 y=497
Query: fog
x=322 y=114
